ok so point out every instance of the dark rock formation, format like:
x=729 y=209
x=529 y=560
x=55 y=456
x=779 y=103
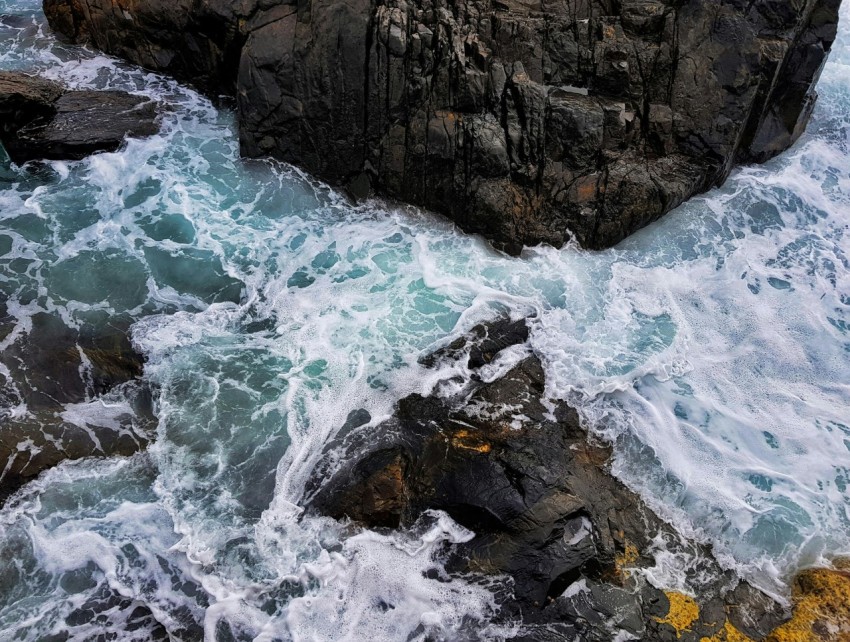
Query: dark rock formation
x=25 y=98
x=51 y=366
x=528 y=121
x=481 y=345
x=42 y=120
x=545 y=510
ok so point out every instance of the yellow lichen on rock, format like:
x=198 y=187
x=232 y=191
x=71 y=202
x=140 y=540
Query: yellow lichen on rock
x=684 y=611
x=729 y=633
x=626 y=559
x=466 y=440
x=821 y=607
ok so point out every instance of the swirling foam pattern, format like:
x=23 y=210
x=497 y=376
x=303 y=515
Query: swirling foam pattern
x=713 y=349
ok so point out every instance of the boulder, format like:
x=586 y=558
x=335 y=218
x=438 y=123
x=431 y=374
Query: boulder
x=24 y=98
x=43 y=120
x=526 y=121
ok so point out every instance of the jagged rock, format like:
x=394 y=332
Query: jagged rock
x=527 y=121
x=538 y=495
x=481 y=344
x=532 y=488
x=821 y=606
x=43 y=120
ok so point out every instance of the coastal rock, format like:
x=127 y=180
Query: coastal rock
x=821 y=606
x=24 y=98
x=69 y=394
x=43 y=120
x=523 y=475
x=528 y=122
x=481 y=344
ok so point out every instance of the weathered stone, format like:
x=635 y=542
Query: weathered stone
x=821 y=607
x=538 y=496
x=69 y=125
x=481 y=344
x=533 y=488
x=23 y=98
x=528 y=122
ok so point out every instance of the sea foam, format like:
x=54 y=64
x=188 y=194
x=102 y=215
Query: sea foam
x=710 y=349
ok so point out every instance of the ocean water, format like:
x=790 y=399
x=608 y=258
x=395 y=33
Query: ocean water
x=712 y=349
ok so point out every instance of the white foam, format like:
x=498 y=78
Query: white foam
x=711 y=349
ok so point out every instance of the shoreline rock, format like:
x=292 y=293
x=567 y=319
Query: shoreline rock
x=821 y=606
x=527 y=122
x=42 y=120
x=526 y=478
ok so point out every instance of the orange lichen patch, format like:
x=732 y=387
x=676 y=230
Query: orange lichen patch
x=728 y=634
x=466 y=440
x=587 y=188
x=683 y=612
x=821 y=607
x=449 y=116
x=628 y=558
x=383 y=496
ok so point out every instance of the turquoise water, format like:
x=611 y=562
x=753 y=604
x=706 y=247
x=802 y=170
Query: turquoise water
x=712 y=348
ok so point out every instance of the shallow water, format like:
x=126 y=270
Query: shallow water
x=712 y=348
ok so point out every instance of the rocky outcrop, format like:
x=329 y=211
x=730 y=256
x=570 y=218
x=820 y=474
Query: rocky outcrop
x=522 y=474
x=43 y=120
x=529 y=121
x=25 y=98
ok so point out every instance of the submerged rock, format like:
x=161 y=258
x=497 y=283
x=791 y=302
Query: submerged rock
x=70 y=393
x=529 y=122
x=43 y=120
x=522 y=474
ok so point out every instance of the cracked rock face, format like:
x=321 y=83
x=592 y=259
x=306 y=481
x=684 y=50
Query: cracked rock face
x=529 y=121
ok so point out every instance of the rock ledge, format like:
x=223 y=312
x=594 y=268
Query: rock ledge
x=43 y=120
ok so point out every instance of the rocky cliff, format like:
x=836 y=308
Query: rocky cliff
x=528 y=121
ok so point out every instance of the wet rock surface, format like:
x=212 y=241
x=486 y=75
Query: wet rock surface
x=528 y=122
x=821 y=599
x=24 y=98
x=43 y=120
x=68 y=393
x=524 y=476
